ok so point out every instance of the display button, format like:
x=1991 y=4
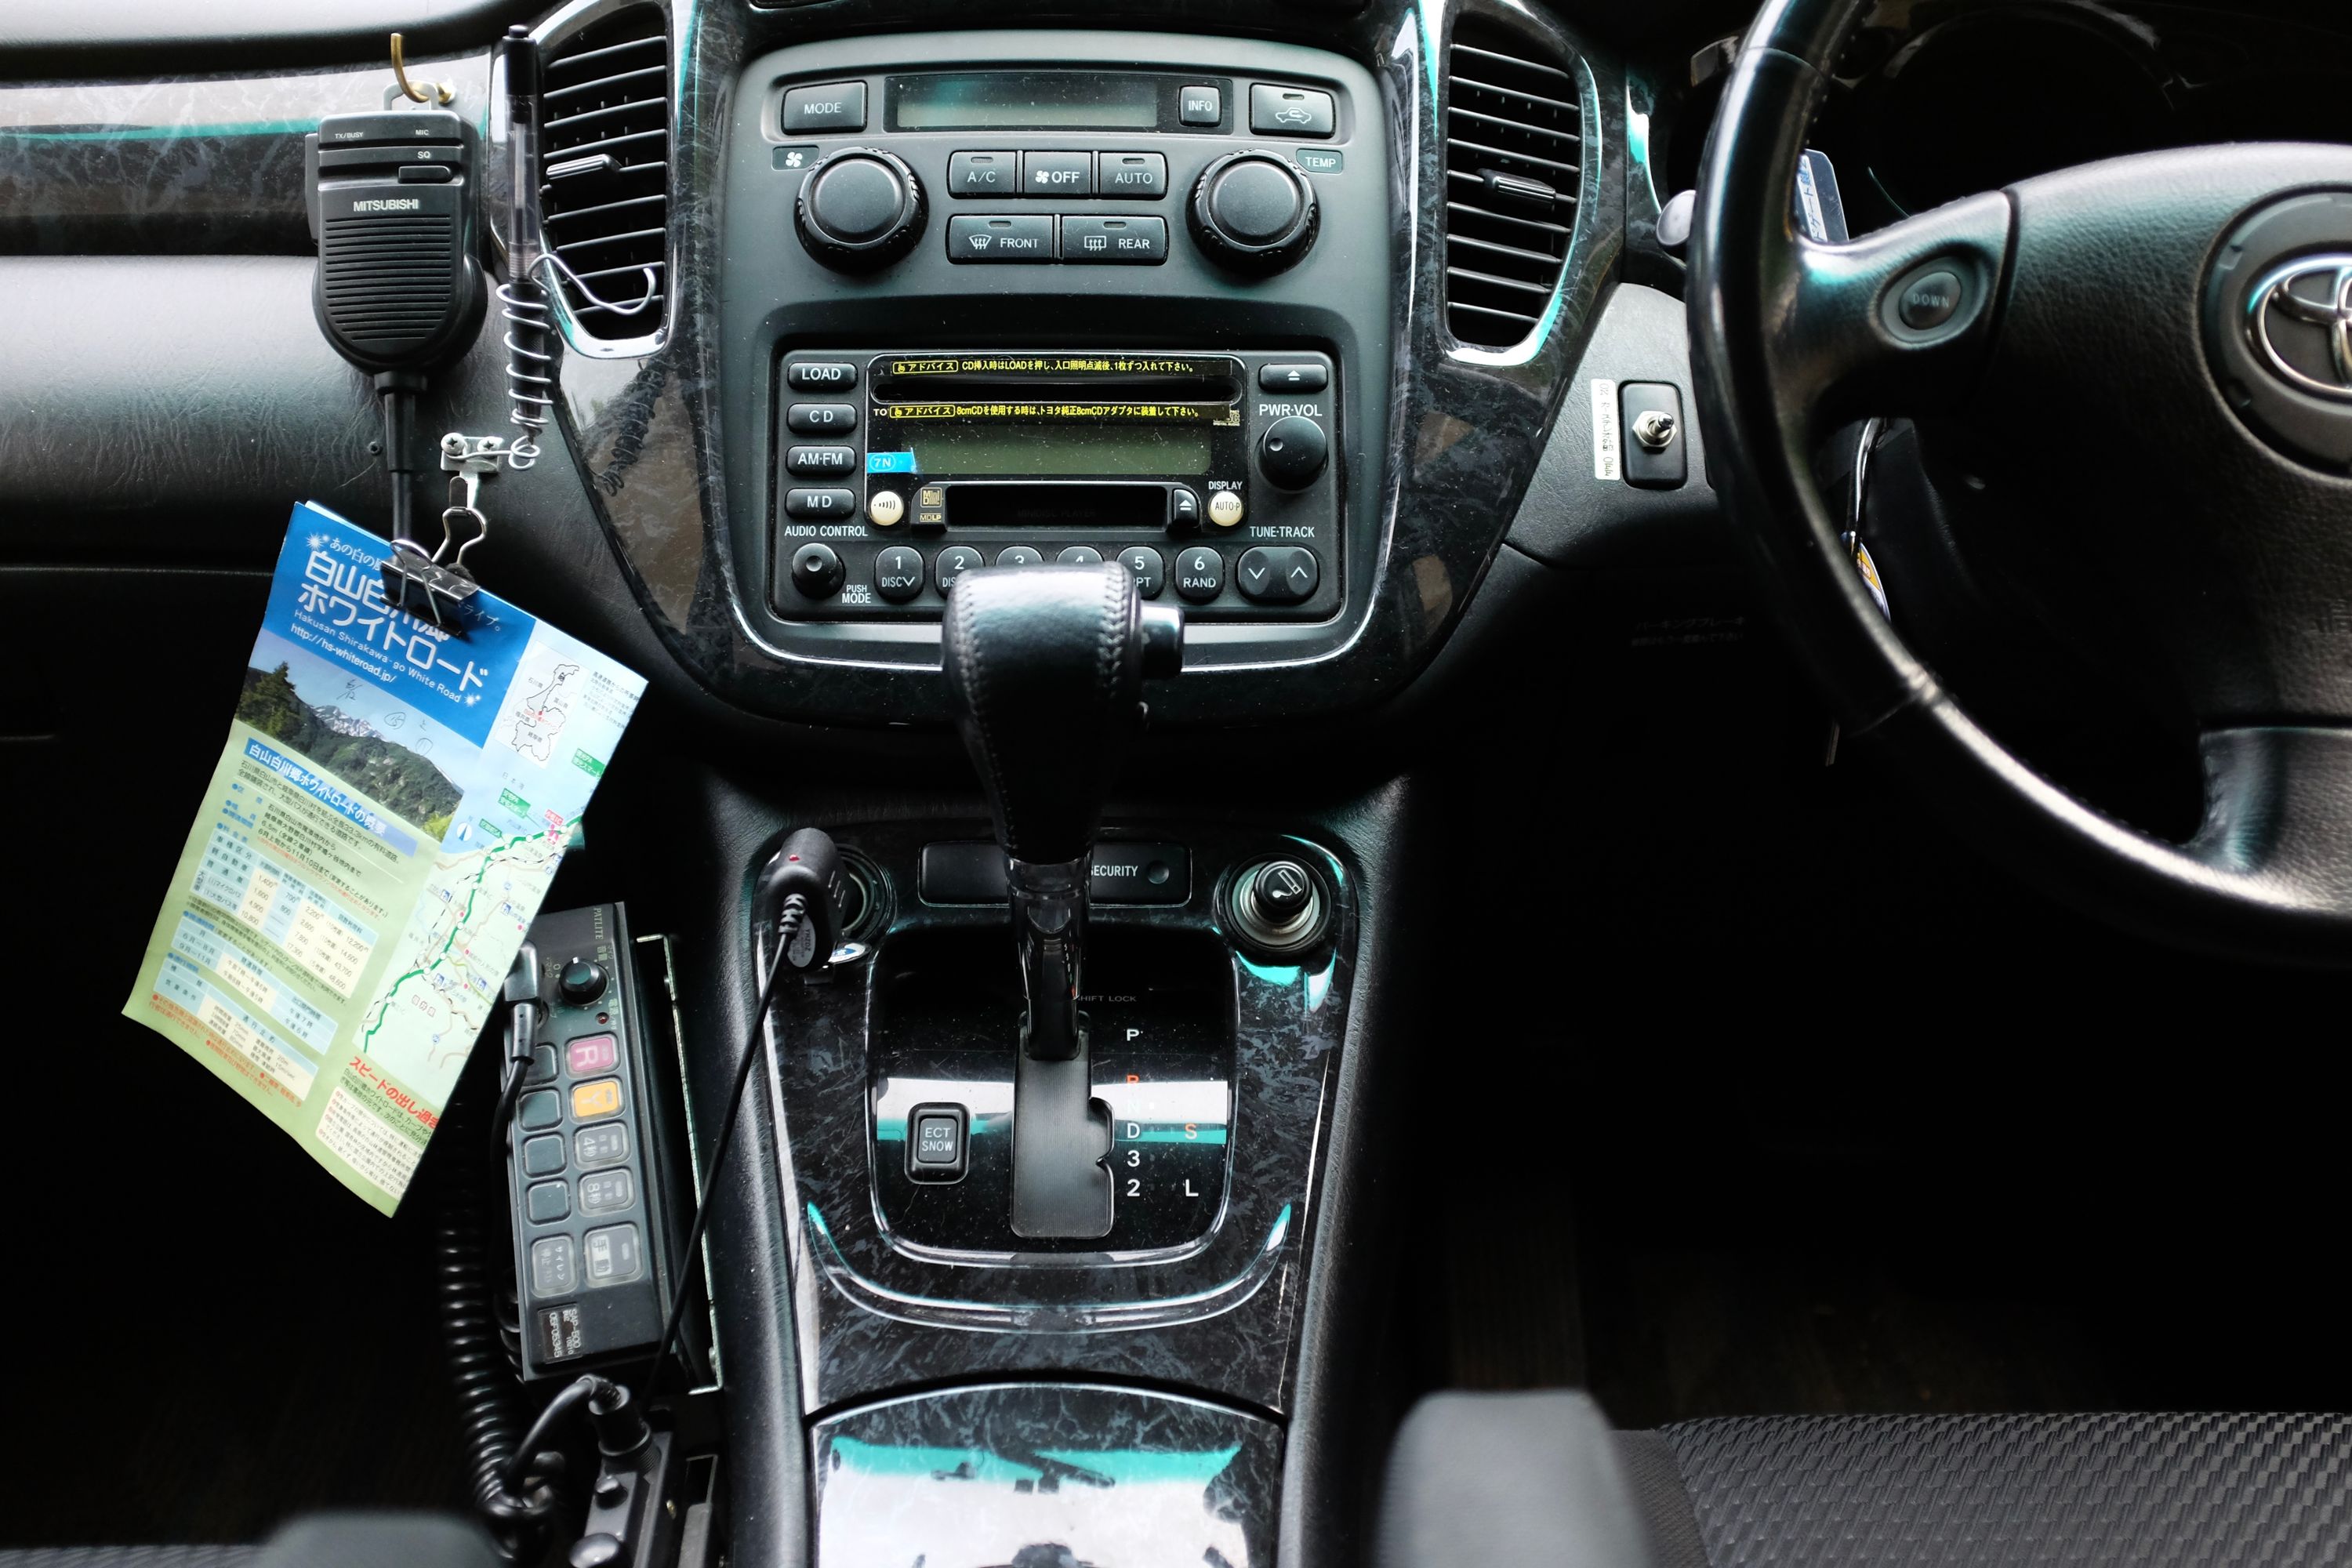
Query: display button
x=596 y=1146
x=884 y=508
x=554 y=1267
x=593 y=1054
x=608 y=1193
x=1225 y=508
x=817 y=571
x=1199 y=106
x=1139 y=176
x=831 y=106
x=1150 y=573
x=1184 y=507
x=1012 y=238
x=820 y=375
x=590 y=1101
x=817 y=462
x=1290 y=111
x=898 y=574
x=615 y=1255
x=543 y=1108
x=983 y=173
x=1079 y=555
x=1057 y=174
x=1302 y=377
x=821 y=418
x=953 y=563
x=547 y=1201
x=1141 y=240
x=1020 y=555
x=542 y=1155
x=1276 y=573
x=542 y=1065
x=1200 y=573
x=820 y=503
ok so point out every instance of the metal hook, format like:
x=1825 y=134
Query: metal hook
x=436 y=91
x=653 y=287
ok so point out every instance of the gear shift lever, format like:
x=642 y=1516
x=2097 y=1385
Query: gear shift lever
x=1045 y=667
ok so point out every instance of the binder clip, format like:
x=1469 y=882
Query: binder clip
x=428 y=586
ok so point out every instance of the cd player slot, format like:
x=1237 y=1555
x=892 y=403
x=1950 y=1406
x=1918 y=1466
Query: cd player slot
x=1051 y=504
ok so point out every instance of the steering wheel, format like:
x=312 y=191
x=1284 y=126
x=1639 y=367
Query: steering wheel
x=2162 y=346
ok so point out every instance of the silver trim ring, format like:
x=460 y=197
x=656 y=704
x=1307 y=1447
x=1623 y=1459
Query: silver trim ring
x=2276 y=290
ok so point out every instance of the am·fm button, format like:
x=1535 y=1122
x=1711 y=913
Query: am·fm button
x=591 y=1101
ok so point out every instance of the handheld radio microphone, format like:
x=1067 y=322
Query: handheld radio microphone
x=393 y=206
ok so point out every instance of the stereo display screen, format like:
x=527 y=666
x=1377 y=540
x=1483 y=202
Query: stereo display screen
x=1046 y=451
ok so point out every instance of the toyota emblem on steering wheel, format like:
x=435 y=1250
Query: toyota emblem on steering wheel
x=2301 y=316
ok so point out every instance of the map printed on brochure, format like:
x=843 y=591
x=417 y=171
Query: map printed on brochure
x=382 y=826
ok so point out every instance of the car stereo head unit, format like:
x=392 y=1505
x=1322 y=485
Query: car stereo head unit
x=1210 y=475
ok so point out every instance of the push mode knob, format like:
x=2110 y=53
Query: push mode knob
x=1254 y=212
x=859 y=209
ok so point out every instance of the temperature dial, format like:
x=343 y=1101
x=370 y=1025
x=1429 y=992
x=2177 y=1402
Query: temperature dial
x=859 y=209
x=1254 y=212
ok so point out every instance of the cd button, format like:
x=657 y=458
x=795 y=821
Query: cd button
x=898 y=574
x=1057 y=174
x=820 y=503
x=1020 y=555
x=1141 y=240
x=1139 y=176
x=1200 y=573
x=983 y=174
x=1151 y=575
x=953 y=563
x=819 y=460
x=820 y=418
x=1079 y=555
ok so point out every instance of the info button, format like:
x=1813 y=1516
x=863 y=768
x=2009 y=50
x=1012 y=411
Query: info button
x=1024 y=238
x=1141 y=240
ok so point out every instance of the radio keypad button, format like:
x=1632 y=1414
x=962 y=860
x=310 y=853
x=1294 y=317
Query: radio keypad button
x=1020 y=555
x=953 y=563
x=820 y=503
x=1200 y=573
x=1057 y=174
x=1276 y=574
x=1290 y=111
x=1141 y=241
x=830 y=106
x=884 y=508
x=820 y=375
x=898 y=574
x=983 y=173
x=1079 y=555
x=1150 y=574
x=1184 y=507
x=1138 y=176
x=818 y=461
x=821 y=418
x=1010 y=238
x=1199 y=106
x=1225 y=508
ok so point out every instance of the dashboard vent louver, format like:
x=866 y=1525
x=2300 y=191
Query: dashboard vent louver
x=1514 y=167
x=604 y=123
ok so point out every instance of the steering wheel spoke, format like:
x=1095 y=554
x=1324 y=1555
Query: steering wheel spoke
x=1899 y=321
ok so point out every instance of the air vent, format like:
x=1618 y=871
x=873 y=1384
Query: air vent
x=604 y=165
x=1514 y=162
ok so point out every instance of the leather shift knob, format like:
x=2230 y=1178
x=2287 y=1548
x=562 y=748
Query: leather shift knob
x=1046 y=667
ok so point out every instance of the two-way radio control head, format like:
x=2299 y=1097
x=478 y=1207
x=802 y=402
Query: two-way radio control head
x=1254 y=212
x=859 y=208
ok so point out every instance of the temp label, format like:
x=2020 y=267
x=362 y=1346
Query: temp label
x=1606 y=453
